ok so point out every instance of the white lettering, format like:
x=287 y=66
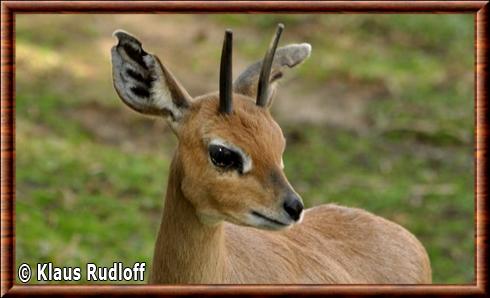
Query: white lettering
x=91 y=272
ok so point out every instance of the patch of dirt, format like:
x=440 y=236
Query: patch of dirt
x=334 y=104
x=121 y=127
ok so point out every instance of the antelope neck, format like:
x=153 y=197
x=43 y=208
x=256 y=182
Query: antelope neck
x=186 y=251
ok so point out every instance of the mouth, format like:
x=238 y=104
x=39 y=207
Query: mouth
x=268 y=219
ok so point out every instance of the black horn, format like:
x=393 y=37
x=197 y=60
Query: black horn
x=225 y=75
x=263 y=86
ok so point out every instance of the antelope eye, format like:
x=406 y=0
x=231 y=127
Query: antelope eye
x=225 y=158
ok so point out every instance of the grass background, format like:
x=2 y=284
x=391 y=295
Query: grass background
x=380 y=117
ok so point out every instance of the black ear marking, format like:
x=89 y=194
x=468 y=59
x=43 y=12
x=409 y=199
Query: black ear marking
x=132 y=47
x=139 y=77
x=141 y=92
x=136 y=54
x=276 y=76
x=143 y=83
x=131 y=75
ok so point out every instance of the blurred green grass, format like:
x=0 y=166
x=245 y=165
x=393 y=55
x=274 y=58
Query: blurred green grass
x=91 y=175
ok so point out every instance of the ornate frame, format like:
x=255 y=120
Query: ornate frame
x=9 y=9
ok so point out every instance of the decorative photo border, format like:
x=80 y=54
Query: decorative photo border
x=9 y=10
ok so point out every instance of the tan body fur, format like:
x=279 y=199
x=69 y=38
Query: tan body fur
x=227 y=189
x=333 y=244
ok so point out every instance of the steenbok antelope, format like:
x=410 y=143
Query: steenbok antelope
x=227 y=187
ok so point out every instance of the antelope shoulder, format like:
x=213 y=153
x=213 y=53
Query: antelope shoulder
x=333 y=244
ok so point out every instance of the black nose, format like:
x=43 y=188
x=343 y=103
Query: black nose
x=293 y=206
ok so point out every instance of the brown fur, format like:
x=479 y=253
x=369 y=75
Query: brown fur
x=333 y=244
x=209 y=227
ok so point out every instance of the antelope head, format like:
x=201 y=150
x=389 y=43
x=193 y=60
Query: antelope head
x=230 y=148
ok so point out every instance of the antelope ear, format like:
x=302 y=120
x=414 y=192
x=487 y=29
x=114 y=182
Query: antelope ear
x=144 y=84
x=285 y=57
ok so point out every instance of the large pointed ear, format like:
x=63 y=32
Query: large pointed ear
x=143 y=82
x=285 y=57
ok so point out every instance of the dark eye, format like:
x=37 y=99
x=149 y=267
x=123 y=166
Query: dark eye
x=225 y=158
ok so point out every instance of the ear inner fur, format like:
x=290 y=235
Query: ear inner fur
x=286 y=57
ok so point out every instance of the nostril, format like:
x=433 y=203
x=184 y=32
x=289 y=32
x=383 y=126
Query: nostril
x=293 y=207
